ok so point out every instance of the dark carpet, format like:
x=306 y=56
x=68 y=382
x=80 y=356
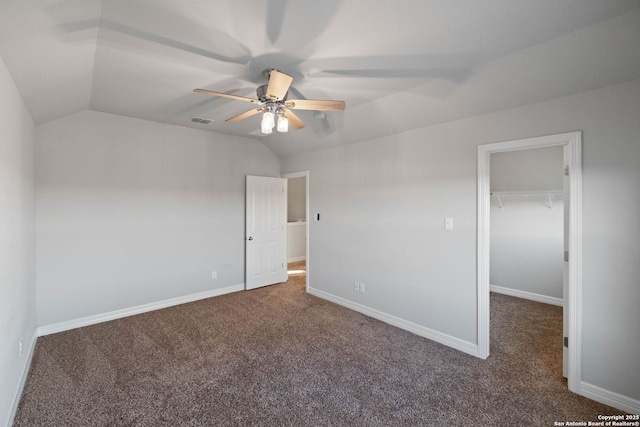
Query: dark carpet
x=277 y=356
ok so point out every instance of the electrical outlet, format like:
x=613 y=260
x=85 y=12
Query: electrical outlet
x=20 y=347
x=356 y=286
x=362 y=287
x=214 y=275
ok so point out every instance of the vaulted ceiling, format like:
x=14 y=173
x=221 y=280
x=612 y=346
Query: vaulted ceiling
x=399 y=65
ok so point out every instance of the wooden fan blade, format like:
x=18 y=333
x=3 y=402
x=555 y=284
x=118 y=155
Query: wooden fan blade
x=315 y=104
x=245 y=115
x=278 y=85
x=228 y=95
x=294 y=120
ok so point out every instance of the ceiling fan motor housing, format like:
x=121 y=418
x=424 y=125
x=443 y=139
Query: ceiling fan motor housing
x=261 y=92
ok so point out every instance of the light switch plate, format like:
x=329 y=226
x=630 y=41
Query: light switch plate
x=448 y=223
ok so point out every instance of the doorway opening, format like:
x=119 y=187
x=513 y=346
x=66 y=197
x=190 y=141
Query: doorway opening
x=572 y=313
x=298 y=223
x=527 y=245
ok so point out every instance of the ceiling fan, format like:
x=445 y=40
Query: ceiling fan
x=273 y=102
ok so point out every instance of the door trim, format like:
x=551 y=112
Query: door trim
x=304 y=174
x=573 y=142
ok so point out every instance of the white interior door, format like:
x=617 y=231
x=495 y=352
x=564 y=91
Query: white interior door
x=266 y=209
x=565 y=268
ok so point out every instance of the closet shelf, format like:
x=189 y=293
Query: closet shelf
x=547 y=195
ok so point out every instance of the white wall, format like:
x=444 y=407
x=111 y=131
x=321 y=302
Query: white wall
x=526 y=234
x=383 y=202
x=17 y=242
x=131 y=212
x=297 y=198
x=382 y=205
x=527 y=248
x=296 y=241
x=532 y=169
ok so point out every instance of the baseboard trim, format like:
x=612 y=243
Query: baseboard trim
x=425 y=332
x=131 y=311
x=23 y=379
x=607 y=397
x=297 y=258
x=526 y=295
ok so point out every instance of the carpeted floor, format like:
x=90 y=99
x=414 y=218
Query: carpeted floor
x=277 y=356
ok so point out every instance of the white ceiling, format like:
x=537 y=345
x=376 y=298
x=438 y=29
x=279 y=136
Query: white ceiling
x=399 y=65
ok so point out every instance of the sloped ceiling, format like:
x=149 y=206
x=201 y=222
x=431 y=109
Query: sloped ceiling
x=399 y=65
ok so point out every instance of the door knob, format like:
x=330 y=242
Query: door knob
x=250 y=238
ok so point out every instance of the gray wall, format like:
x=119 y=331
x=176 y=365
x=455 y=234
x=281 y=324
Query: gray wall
x=526 y=235
x=383 y=203
x=533 y=169
x=132 y=212
x=297 y=198
x=527 y=247
x=17 y=241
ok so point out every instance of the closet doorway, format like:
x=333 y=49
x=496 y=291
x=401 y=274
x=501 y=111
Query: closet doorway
x=298 y=219
x=570 y=144
x=526 y=249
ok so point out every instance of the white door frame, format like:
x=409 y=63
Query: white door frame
x=573 y=142
x=304 y=174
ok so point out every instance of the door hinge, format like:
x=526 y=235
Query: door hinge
x=566 y=170
x=566 y=256
x=566 y=342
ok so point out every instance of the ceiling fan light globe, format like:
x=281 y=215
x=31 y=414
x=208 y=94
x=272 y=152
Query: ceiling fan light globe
x=265 y=128
x=283 y=124
x=268 y=120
